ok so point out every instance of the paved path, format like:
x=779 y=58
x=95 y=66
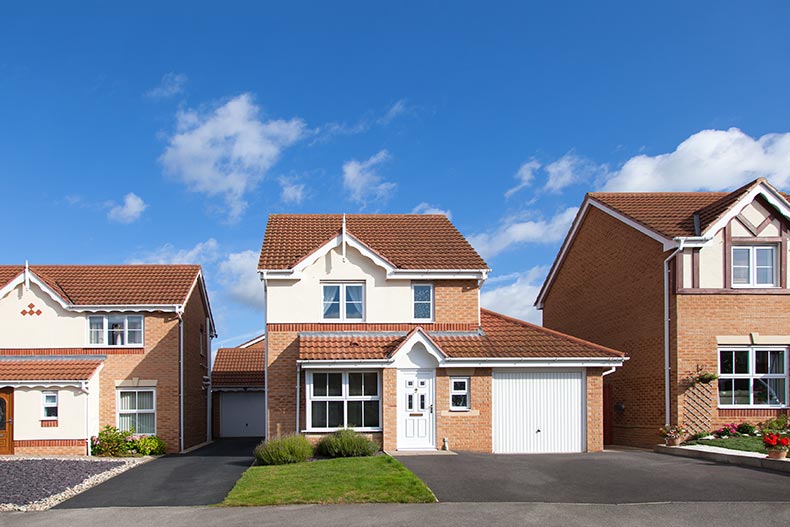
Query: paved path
x=612 y=477
x=202 y=477
x=436 y=515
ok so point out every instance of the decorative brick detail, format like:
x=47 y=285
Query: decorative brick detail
x=6 y=352
x=31 y=310
x=50 y=447
x=324 y=327
x=49 y=423
x=698 y=408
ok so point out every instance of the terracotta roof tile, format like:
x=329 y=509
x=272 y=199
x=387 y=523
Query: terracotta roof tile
x=113 y=284
x=238 y=367
x=47 y=370
x=407 y=241
x=672 y=213
x=502 y=337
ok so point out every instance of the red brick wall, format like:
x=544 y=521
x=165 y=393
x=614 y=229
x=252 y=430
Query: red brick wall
x=701 y=318
x=465 y=431
x=609 y=290
x=283 y=352
x=196 y=363
x=456 y=301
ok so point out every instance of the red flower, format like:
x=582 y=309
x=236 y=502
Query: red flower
x=771 y=439
x=784 y=441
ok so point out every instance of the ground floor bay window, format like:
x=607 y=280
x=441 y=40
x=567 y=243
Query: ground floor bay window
x=754 y=376
x=343 y=399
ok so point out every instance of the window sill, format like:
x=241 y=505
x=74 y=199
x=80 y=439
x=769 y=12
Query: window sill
x=330 y=430
x=752 y=407
x=458 y=413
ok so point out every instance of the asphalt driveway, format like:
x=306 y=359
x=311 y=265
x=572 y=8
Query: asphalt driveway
x=611 y=477
x=202 y=477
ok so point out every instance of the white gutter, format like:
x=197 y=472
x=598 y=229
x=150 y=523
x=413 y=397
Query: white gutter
x=180 y=314
x=266 y=355
x=667 y=365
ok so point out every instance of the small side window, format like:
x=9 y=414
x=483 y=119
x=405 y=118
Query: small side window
x=49 y=406
x=459 y=393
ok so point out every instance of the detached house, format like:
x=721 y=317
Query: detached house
x=82 y=347
x=683 y=283
x=373 y=323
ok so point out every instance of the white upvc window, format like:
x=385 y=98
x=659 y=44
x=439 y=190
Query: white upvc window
x=459 y=393
x=754 y=266
x=115 y=330
x=422 y=300
x=754 y=376
x=49 y=406
x=343 y=399
x=343 y=302
x=137 y=410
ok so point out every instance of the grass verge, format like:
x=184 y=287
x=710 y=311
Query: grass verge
x=378 y=479
x=747 y=444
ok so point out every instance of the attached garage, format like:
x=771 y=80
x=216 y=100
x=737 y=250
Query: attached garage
x=539 y=411
x=242 y=414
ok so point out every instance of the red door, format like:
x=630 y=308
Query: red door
x=6 y=420
x=607 y=414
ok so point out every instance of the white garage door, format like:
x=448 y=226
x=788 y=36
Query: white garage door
x=538 y=411
x=241 y=414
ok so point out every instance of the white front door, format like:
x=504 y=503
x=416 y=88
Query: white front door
x=416 y=417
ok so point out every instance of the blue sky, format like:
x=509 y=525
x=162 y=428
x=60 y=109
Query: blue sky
x=168 y=134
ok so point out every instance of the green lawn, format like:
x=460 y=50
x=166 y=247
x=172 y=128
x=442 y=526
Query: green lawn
x=378 y=479
x=749 y=444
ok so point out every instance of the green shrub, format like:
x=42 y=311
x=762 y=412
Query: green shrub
x=777 y=424
x=283 y=450
x=746 y=429
x=111 y=442
x=700 y=435
x=346 y=443
x=149 y=445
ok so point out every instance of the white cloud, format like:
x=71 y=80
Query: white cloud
x=363 y=183
x=227 y=151
x=514 y=231
x=525 y=175
x=202 y=253
x=570 y=169
x=708 y=160
x=366 y=122
x=516 y=298
x=292 y=192
x=128 y=212
x=238 y=274
x=170 y=85
x=397 y=109
x=427 y=208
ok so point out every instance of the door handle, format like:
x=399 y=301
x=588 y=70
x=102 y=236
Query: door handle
x=431 y=408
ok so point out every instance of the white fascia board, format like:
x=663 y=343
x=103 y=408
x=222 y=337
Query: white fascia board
x=343 y=364
x=260 y=389
x=254 y=341
x=441 y=274
x=762 y=189
x=20 y=279
x=128 y=308
x=667 y=243
x=41 y=384
x=534 y=363
x=420 y=336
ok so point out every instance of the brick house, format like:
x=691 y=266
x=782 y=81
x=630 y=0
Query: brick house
x=86 y=346
x=374 y=323
x=683 y=283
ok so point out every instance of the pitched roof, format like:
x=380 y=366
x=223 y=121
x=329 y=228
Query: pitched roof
x=407 y=241
x=113 y=284
x=671 y=214
x=502 y=337
x=238 y=367
x=47 y=370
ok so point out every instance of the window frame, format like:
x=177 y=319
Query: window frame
x=467 y=391
x=342 y=315
x=753 y=375
x=106 y=331
x=414 y=301
x=45 y=405
x=136 y=411
x=344 y=397
x=752 y=248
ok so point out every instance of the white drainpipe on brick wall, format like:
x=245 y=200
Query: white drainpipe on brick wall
x=265 y=356
x=667 y=365
x=180 y=313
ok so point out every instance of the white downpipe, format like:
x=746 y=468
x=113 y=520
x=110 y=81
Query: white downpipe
x=208 y=333
x=667 y=366
x=265 y=356
x=607 y=372
x=84 y=388
x=180 y=314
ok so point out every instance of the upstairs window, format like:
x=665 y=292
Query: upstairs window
x=752 y=376
x=754 y=266
x=115 y=330
x=343 y=302
x=422 y=296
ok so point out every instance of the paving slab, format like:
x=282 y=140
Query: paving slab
x=202 y=477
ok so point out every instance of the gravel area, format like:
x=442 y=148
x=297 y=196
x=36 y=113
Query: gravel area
x=28 y=484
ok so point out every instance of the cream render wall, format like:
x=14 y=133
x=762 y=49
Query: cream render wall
x=71 y=412
x=300 y=301
x=53 y=328
x=711 y=263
